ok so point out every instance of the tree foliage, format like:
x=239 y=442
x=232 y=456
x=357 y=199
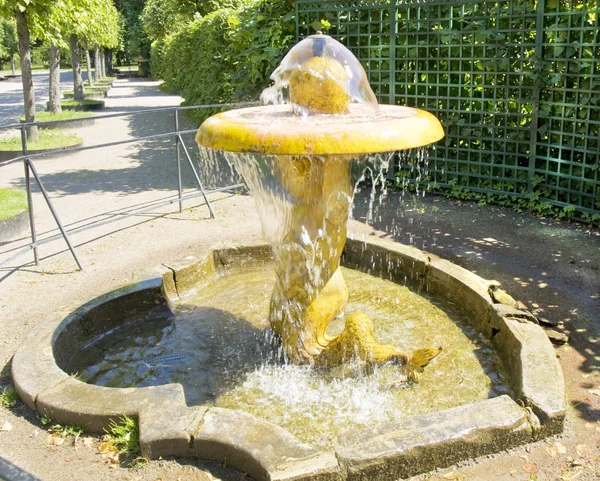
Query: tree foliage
x=161 y=17
x=227 y=55
x=9 y=44
x=93 y=21
x=134 y=40
x=41 y=24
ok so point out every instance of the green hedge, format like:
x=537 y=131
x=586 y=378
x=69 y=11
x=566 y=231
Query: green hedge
x=226 y=56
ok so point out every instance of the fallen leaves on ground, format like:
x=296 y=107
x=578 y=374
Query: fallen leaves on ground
x=55 y=440
x=108 y=450
x=452 y=475
x=531 y=468
x=555 y=449
x=88 y=442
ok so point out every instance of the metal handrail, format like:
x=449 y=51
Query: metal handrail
x=133 y=112
x=31 y=171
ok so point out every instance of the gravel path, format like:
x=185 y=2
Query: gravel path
x=552 y=267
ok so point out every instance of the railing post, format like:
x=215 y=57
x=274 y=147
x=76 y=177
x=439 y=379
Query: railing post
x=36 y=256
x=189 y=159
x=179 y=186
x=31 y=166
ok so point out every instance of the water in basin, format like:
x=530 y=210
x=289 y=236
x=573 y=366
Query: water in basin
x=215 y=346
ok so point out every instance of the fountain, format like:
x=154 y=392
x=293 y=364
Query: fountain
x=183 y=349
x=308 y=151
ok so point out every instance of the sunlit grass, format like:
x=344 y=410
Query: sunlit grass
x=48 y=140
x=64 y=115
x=12 y=202
x=9 y=397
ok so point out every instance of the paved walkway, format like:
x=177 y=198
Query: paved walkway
x=553 y=267
x=94 y=185
x=11 y=93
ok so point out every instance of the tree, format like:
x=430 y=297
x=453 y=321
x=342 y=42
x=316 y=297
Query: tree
x=32 y=19
x=54 y=79
x=106 y=31
x=161 y=17
x=88 y=22
x=134 y=39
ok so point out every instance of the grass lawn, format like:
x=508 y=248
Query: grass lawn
x=87 y=104
x=12 y=202
x=49 y=139
x=100 y=90
x=64 y=115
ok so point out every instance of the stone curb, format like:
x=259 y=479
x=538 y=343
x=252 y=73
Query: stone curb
x=85 y=107
x=269 y=452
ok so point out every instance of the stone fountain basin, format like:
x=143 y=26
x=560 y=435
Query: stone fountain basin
x=389 y=451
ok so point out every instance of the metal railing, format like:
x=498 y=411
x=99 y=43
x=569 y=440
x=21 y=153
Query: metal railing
x=28 y=159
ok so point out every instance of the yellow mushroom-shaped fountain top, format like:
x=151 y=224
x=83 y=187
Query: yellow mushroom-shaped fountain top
x=323 y=104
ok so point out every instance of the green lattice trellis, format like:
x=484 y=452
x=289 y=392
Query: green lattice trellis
x=515 y=83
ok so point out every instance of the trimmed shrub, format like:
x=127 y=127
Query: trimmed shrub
x=226 y=56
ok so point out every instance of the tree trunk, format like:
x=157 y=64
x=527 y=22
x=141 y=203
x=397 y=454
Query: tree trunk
x=88 y=61
x=109 y=61
x=12 y=64
x=97 y=63
x=54 y=93
x=76 y=64
x=103 y=62
x=27 y=78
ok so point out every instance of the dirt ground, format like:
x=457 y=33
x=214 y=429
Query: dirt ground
x=553 y=267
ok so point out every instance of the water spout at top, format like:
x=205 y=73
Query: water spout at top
x=320 y=76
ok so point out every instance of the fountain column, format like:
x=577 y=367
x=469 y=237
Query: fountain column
x=311 y=145
x=309 y=288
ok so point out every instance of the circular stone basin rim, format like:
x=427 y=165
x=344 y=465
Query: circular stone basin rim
x=268 y=452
